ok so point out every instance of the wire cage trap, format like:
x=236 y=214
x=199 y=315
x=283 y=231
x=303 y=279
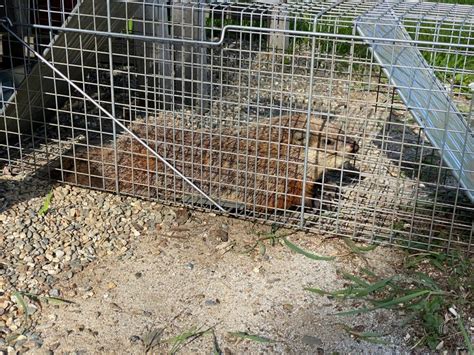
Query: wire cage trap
x=350 y=118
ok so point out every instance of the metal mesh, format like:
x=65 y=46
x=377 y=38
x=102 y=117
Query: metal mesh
x=294 y=114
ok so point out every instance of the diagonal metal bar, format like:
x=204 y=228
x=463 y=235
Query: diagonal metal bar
x=5 y=23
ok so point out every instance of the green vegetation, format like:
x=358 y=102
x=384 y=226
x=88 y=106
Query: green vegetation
x=309 y=255
x=459 y=2
x=272 y=236
x=214 y=25
x=453 y=65
x=46 y=204
x=252 y=337
x=434 y=293
x=181 y=340
x=366 y=336
x=24 y=302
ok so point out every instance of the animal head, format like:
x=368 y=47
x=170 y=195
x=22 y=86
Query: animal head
x=329 y=147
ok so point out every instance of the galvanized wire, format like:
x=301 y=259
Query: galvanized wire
x=130 y=92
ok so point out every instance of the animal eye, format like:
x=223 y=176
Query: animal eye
x=329 y=141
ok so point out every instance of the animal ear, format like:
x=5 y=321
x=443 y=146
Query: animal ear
x=297 y=136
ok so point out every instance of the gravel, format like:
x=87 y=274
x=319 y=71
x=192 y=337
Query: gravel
x=38 y=253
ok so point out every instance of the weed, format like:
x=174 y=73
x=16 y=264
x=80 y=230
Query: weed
x=152 y=339
x=45 y=299
x=256 y=338
x=305 y=253
x=20 y=298
x=435 y=283
x=21 y=305
x=271 y=236
x=358 y=249
x=216 y=349
x=181 y=340
x=46 y=204
x=466 y=337
x=366 y=336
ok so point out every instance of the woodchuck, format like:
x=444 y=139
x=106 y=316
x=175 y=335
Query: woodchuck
x=259 y=165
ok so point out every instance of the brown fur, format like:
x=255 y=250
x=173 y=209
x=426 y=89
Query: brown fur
x=258 y=165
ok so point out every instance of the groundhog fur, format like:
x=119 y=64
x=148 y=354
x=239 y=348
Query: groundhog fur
x=259 y=165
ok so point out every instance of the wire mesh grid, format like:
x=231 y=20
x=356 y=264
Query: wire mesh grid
x=281 y=113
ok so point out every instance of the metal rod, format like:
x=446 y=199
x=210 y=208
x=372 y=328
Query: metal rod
x=249 y=29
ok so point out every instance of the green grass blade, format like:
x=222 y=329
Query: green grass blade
x=181 y=340
x=358 y=292
x=343 y=293
x=404 y=299
x=355 y=279
x=466 y=336
x=216 y=350
x=183 y=336
x=257 y=338
x=318 y=291
x=48 y=299
x=388 y=304
x=57 y=300
x=427 y=281
x=368 y=272
x=355 y=311
x=356 y=249
x=152 y=338
x=414 y=292
x=21 y=303
x=46 y=203
x=305 y=253
x=32 y=296
x=370 y=337
x=374 y=287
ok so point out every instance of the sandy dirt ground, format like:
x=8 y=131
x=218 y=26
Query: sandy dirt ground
x=198 y=274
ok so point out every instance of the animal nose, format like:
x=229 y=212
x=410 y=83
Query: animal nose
x=354 y=147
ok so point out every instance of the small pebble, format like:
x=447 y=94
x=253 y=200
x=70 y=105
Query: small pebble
x=54 y=346
x=312 y=340
x=212 y=302
x=134 y=339
x=54 y=292
x=190 y=266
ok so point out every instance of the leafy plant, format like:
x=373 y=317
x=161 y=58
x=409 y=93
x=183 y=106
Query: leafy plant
x=271 y=236
x=46 y=204
x=425 y=300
